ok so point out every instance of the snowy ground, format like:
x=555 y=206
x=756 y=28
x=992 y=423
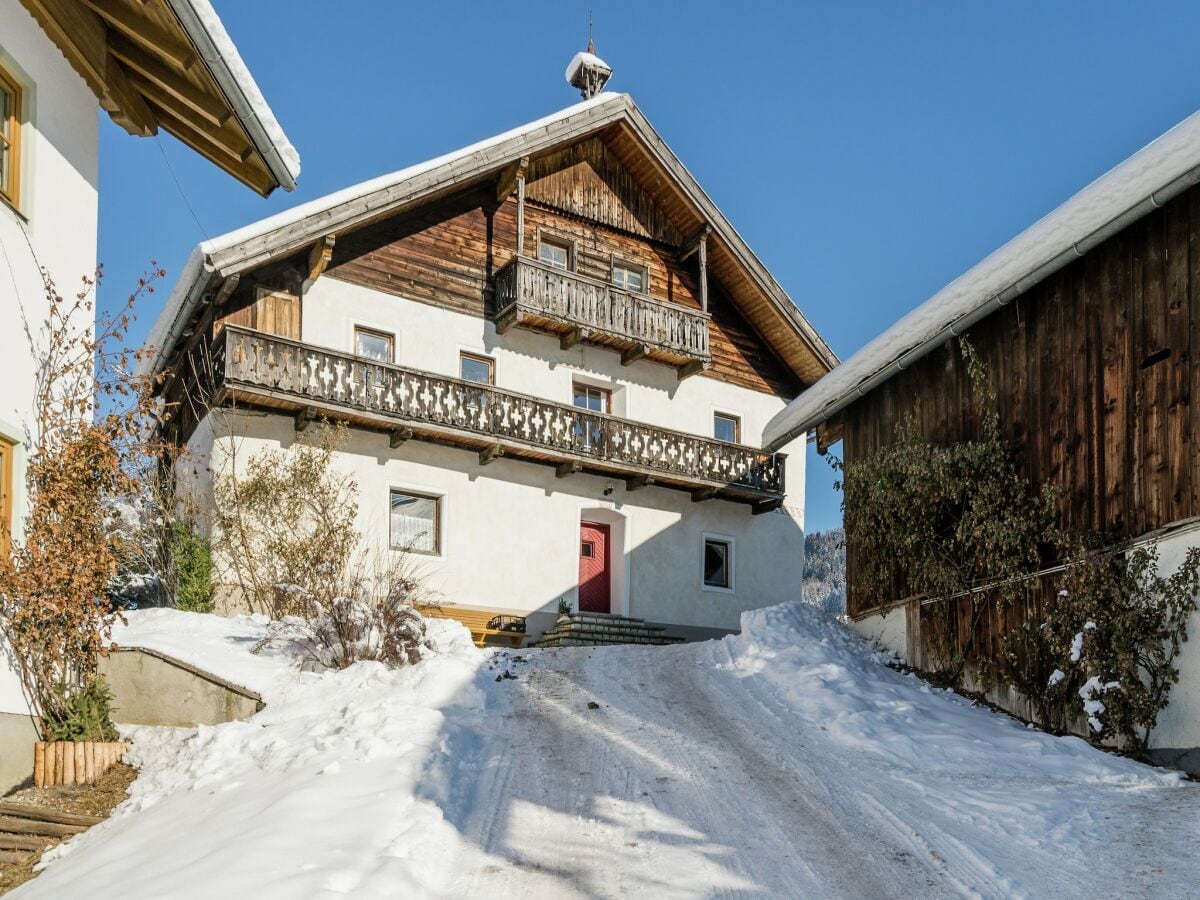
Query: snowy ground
x=784 y=762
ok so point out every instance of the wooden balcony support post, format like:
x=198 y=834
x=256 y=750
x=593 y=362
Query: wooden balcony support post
x=695 y=367
x=573 y=337
x=633 y=354
x=399 y=436
x=521 y=213
x=490 y=454
x=766 y=506
x=698 y=244
x=568 y=468
x=637 y=482
x=304 y=417
x=701 y=494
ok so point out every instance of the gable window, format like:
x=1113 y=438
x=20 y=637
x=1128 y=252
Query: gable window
x=629 y=277
x=727 y=428
x=415 y=523
x=10 y=137
x=376 y=345
x=718 y=563
x=555 y=252
x=473 y=367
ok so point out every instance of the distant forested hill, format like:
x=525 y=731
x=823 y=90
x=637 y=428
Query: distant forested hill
x=825 y=570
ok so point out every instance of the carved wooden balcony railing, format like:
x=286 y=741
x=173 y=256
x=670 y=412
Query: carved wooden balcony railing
x=533 y=295
x=264 y=370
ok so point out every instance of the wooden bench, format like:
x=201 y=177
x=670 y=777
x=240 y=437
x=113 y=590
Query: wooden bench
x=476 y=621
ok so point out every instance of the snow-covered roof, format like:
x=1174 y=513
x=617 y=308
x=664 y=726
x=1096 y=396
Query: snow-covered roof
x=293 y=229
x=1152 y=176
x=208 y=35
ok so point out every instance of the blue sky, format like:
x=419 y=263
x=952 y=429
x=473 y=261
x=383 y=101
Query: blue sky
x=868 y=152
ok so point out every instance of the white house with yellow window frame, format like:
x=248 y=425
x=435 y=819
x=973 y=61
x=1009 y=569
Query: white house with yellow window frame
x=158 y=64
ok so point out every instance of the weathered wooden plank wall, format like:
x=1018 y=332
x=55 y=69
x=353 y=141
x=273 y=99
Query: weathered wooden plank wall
x=1095 y=383
x=447 y=252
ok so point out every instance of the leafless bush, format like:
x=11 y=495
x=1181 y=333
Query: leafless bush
x=287 y=532
x=371 y=614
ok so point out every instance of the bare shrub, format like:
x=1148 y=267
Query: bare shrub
x=92 y=426
x=287 y=532
x=372 y=614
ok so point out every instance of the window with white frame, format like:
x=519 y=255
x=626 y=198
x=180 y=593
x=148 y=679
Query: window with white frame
x=554 y=252
x=476 y=367
x=727 y=428
x=415 y=522
x=718 y=563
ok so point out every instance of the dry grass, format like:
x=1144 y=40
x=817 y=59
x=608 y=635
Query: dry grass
x=97 y=799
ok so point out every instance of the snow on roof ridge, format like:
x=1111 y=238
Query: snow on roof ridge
x=1165 y=160
x=204 y=27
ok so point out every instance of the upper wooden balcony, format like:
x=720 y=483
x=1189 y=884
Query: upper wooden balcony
x=533 y=295
x=262 y=370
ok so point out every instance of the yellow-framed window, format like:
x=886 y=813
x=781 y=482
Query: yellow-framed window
x=7 y=452
x=10 y=138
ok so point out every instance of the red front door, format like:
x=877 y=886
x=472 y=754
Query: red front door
x=593 y=568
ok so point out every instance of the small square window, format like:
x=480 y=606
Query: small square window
x=718 y=563
x=480 y=369
x=415 y=523
x=587 y=549
x=630 y=278
x=554 y=252
x=374 y=345
x=727 y=428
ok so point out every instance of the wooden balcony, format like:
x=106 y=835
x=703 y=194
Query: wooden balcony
x=533 y=295
x=252 y=368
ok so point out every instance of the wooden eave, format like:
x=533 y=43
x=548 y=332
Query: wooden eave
x=618 y=122
x=138 y=60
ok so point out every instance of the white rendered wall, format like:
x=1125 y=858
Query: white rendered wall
x=54 y=227
x=889 y=630
x=430 y=338
x=510 y=530
x=1178 y=725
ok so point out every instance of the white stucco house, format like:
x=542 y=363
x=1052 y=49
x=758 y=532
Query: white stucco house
x=556 y=357
x=168 y=64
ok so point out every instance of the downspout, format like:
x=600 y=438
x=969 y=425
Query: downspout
x=964 y=322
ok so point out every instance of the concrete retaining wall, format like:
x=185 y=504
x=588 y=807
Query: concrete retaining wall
x=151 y=688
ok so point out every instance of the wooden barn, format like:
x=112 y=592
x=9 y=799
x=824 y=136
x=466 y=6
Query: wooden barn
x=1089 y=323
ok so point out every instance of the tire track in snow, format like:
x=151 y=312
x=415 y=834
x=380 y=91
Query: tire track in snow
x=614 y=801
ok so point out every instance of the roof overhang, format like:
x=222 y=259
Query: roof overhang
x=170 y=64
x=796 y=341
x=1147 y=180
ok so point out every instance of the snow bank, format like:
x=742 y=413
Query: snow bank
x=301 y=799
x=834 y=679
x=786 y=755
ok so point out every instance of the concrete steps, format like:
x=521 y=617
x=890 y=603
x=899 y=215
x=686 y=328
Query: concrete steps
x=587 y=629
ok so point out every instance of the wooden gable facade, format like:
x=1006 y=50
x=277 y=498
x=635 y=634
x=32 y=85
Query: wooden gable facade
x=447 y=252
x=1095 y=376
